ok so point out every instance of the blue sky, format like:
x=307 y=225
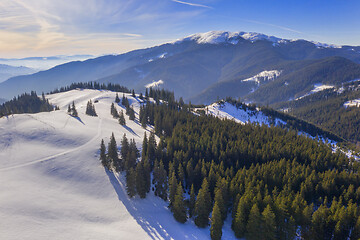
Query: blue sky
x=49 y=27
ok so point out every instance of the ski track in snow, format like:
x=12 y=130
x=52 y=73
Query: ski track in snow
x=59 y=154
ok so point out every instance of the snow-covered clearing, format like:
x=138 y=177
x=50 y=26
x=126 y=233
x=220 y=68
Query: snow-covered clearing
x=229 y=111
x=154 y=84
x=352 y=103
x=264 y=76
x=317 y=88
x=52 y=185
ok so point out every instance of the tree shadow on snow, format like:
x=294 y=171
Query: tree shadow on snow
x=79 y=119
x=130 y=130
x=152 y=214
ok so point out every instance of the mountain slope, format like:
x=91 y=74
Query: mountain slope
x=7 y=71
x=53 y=184
x=187 y=66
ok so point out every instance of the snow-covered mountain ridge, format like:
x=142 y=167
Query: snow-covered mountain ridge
x=219 y=37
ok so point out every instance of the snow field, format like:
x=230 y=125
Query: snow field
x=52 y=185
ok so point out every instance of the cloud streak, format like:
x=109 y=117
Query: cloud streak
x=192 y=4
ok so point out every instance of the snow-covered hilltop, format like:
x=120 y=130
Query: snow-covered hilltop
x=52 y=184
x=219 y=37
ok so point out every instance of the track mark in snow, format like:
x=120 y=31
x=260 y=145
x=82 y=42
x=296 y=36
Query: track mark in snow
x=59 y=154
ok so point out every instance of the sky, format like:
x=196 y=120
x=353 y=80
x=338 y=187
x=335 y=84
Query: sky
x=31 y=28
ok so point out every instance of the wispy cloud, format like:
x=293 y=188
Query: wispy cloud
x=192 y=4
x=274 y=25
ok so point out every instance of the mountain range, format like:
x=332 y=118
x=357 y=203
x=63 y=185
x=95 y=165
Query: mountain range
x=202 y=67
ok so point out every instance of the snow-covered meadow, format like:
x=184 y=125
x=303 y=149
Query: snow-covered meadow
x=52 y=185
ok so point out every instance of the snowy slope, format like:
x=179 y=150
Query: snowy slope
x=52 y=185
x=225 y=110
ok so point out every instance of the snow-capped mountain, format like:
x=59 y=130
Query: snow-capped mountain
x=221 y=37
x=203 y=66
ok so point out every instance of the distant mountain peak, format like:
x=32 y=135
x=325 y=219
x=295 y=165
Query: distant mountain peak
x=219 y=37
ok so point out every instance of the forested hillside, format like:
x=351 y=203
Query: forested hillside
x=26 y=103
x=327 y=109
x=260 y=177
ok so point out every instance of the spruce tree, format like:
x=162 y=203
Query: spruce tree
x=131 y=113
x=112 y=152
x=160 y=181
x=221 y=204
x=151 y=149
x=124 y=148
x=172 y=188
x=254 y=224
x=240 y=220
x=216 y=223
x=147 y=175
x=131 y=182
x=203 y=205
x=178 y=207
x=103 y=154
x=133 y=93
x=140 y=181
x=74 y=112
x=117 y=99
x=269 y=224
x=69 y=109
x=122 y=118
x=144 y=148
x=113 y=111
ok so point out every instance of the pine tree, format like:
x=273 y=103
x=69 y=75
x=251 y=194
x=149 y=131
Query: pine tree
x=103 y=154
x=203 y=205
x=133 y=93
x=216 y=223
x=117 y=99
x=124 y=149
x=240 y=220
x=69 y=109
x=140 y=180
x=122 y=118
x=221 y=204
x=113 y=111
x=172 y=188
x=90 y=109
x=151 y=149
x=192 y=201
x=147 y=175
x=254 y=224
x=178 y=206
x=131 y=183
x=112 y=153
x=73 y=110
x=160 y=181
x=269 y=224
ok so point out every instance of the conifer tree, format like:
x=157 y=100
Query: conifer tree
x=178 y=206
x=216 y=223
x=73 y=111
x=192 y=201
x=103 y=154
x=90 y=109
x=144 y=148
x=131 y=182
x=122 y=118
x=240 y=220
x=269 y=223
x=254 y=224
x=140 y=180
x=117 y=99
x=203 y=205
x=133 y=93
x=147 y=175
x=160 y=180
x=112 y=153
x=69 y=109
x=151 y=149
x=172 y=188
x=221 y=204
x=113 y=111
x=124 y=148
